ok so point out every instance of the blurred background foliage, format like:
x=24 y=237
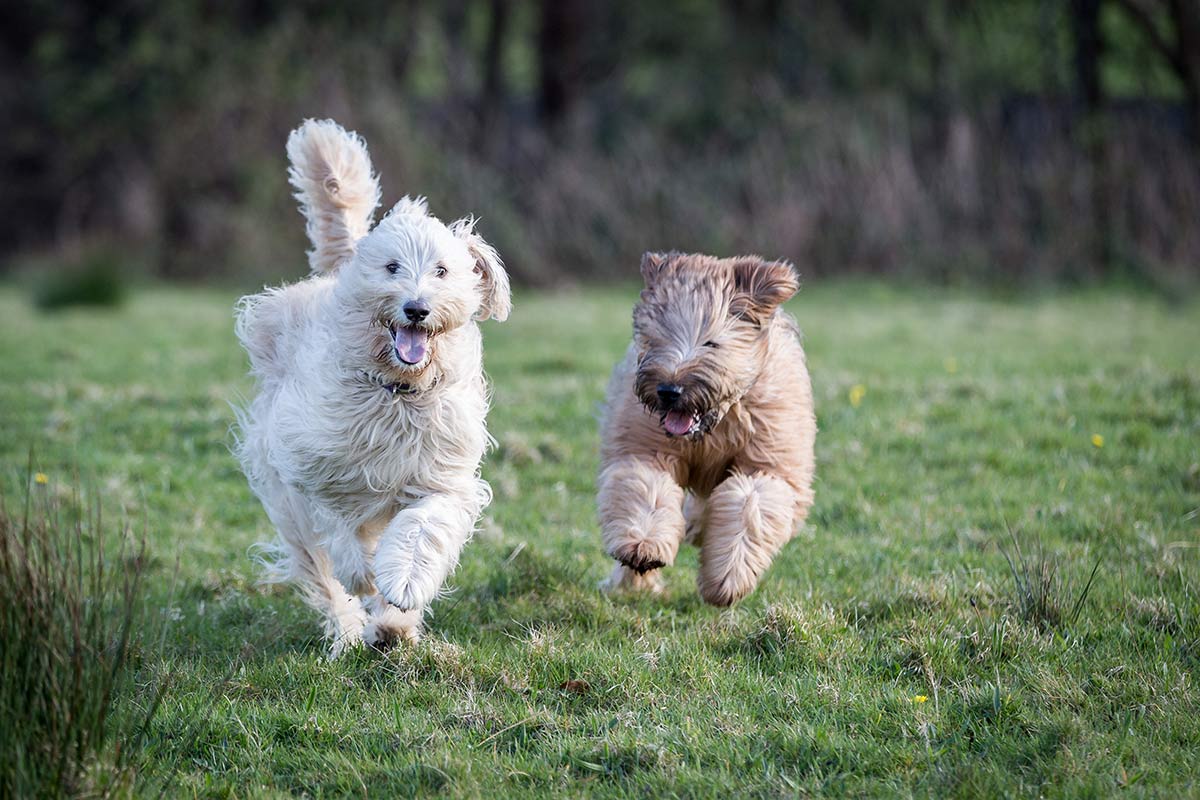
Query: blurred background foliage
x=998 y=140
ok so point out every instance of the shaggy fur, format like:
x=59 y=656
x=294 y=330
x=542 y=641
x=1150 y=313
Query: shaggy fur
x=366 y=435
x=708 y=428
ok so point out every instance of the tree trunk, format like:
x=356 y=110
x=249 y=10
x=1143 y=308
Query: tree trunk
x=493 y=92
x=560 y=45
x=454 y=28
x=1089 y=50
x=1181 y=51
x=402 y=21
x=1186 y=15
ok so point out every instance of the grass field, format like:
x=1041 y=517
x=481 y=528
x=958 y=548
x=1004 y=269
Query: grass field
x=891 y=649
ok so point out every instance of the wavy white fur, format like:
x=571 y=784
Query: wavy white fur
x=337 y=190
x=369 y=466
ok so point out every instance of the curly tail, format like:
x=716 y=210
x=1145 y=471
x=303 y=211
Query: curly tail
x=337 y=189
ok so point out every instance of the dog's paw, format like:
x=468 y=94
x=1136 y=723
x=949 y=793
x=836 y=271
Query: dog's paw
x=624 y=579
x=344 y=625
x=384 y=638
x=410 y=584
x=725 y=590
x=720 y=595
x=643 y=556
x=340 y=645
x=390 y=626
x=418 y=552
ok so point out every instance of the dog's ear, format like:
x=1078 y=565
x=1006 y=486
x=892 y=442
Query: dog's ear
x=652 y=264
x=760 y=286
x=496 y=297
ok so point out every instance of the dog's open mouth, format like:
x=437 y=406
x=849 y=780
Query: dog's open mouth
x=411 y=344
x=678 y=422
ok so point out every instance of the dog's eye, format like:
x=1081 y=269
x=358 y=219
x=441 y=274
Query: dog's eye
x=712 y=344
x=393 y=267
x=440 y=271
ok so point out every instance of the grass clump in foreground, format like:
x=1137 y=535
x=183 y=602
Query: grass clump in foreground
x=69 y=612
x=890 y=650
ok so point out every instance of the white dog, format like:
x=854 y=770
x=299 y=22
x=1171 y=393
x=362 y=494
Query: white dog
x=365 y=439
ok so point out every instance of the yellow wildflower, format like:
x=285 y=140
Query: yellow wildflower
x=919 y=698
x=857 y=393
x=41 y=478
x=1097 y=440
x=951 y=365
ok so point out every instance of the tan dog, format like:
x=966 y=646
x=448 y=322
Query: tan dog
x=708 y=427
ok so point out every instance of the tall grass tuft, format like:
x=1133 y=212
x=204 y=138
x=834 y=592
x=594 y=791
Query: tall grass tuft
x=69 y=614
x=1043 y=597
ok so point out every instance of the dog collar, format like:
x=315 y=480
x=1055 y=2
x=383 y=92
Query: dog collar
x=400 y=387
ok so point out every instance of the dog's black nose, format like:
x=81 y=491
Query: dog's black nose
x=416 y=310
x=669 y=394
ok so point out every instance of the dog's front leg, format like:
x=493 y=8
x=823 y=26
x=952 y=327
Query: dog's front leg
x=749 y=518
x=641 y=520
x=420 y=546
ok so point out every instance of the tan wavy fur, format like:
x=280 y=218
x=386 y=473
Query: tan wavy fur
x=712 y=354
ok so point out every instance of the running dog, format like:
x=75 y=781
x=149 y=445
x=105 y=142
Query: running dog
x=365 y=438
x=708 y=428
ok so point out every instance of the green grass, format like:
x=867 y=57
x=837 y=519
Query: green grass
x=972 y=445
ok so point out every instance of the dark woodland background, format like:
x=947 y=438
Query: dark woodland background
x=999 y=140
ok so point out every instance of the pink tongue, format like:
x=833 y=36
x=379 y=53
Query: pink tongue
x=678 y=423
x=410 y=344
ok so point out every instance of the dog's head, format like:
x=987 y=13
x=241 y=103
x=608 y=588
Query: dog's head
x=700 y=332
x=413 y=279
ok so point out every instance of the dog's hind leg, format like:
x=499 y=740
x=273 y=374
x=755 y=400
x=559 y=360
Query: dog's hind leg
x=749 y=518
x=694 y=509
x=344 y=616
x=641 y=515
x=297 y=557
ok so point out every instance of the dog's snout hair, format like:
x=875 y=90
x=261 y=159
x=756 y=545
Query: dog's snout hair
x=707 y=381
x=694 y=386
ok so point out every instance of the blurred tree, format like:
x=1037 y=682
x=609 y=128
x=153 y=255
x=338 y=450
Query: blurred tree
x=560 y=45
x=1089 y=51
x=400 y=29
x=992 y=126
x=493 y=92
x=1173 y=28
x=458 y=61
